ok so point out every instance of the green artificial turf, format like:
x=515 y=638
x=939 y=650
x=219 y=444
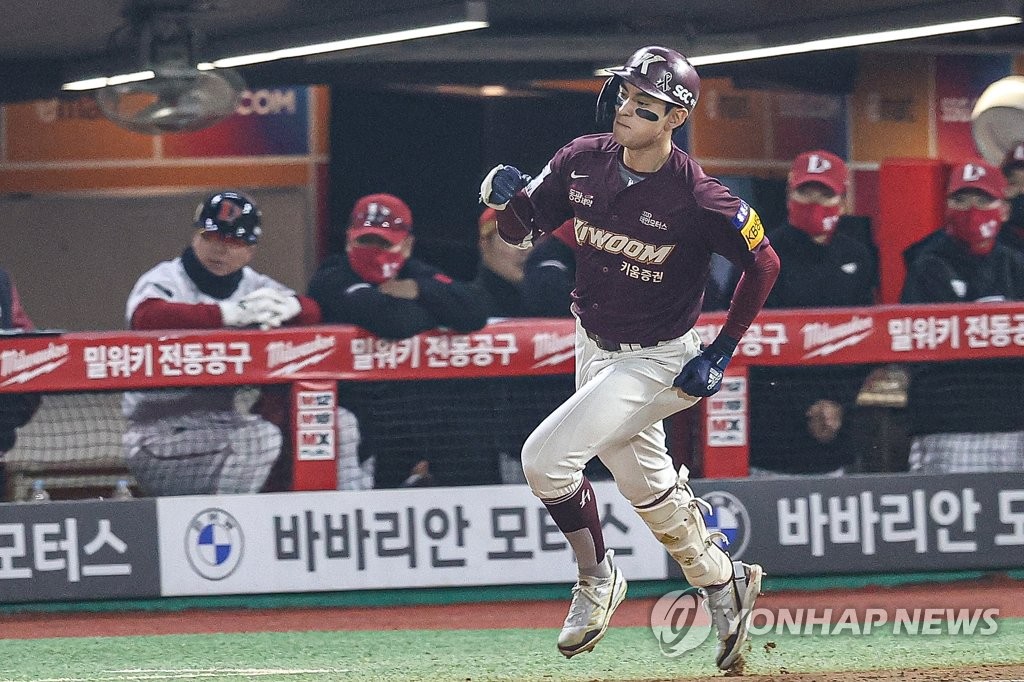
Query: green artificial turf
x=627 y=653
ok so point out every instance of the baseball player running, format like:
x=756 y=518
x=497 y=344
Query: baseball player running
x=647 y=220
x=194 y=441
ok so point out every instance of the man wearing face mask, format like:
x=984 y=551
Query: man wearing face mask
x=824 y=267
x=1012 y=232
x=964 y=261
x=377 y=285
x=974 y=427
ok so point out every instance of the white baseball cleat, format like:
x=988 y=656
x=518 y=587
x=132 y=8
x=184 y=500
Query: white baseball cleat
x=731 y=607
x=594 y=600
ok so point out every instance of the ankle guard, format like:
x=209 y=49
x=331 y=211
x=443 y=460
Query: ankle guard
x=677 y=523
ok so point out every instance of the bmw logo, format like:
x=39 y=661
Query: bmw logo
x=729 y=517
x=214 y=543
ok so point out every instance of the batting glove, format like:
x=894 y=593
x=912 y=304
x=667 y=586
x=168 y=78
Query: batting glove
x=501 y=184
x=702 y=376
x=281 y=311
x=242 y=313
x=272 y=305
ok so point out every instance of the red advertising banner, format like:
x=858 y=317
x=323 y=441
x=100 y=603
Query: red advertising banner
x=314 y=428
x=524 y=347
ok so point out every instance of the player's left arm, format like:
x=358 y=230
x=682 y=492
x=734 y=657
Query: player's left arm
x=734 y=229
x=19 y=318
x=527 y=206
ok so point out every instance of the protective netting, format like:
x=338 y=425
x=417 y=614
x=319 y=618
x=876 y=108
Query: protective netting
x=81 y=444
x=951 y=416
x=930 y=417
x=468 y=431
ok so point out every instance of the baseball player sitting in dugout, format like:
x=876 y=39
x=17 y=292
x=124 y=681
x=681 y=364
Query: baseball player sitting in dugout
x=647 y=219
x=193 y=441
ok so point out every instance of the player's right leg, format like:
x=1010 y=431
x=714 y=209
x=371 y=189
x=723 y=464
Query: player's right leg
x=594 y=600
x=730 y=587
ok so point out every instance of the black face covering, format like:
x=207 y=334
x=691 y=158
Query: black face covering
x=217 y=286
x=1017 y=211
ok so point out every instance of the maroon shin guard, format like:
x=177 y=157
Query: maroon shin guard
x=578 y=511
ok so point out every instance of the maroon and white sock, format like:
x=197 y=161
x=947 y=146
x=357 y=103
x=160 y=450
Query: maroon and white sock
x=576 y=515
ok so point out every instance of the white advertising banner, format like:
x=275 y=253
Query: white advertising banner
x=412 y=537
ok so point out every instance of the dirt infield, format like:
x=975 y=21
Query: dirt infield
x=1000 y=593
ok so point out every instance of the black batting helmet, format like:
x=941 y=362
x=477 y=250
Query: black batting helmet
x=231 y=214
x=658 y=71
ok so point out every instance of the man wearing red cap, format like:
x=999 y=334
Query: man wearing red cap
x=377 y=285
x=958 y=414
x=824 y=267
x=797 y=416
x=964 y=262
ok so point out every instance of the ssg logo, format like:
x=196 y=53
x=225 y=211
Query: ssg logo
x=214 y=544
x=730 y=518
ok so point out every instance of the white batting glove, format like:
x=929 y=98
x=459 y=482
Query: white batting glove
x=281 y=311
x=242 y=313
x=264 y=297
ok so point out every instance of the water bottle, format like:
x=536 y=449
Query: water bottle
x=122 y=491
x=39 y=493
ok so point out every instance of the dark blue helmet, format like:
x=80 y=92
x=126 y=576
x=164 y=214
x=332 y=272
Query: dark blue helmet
x=230 y=214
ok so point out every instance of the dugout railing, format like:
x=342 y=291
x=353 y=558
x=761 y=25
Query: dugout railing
x=464 y=402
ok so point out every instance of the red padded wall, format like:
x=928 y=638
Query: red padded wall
x=911 y=199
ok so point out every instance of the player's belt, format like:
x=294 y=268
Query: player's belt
x=614 y=346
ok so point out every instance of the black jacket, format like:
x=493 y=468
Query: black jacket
x=842 y=273
x=942 y=271
x=16 y=409
x=549 y=276
x=499 y=297
x=345 y=298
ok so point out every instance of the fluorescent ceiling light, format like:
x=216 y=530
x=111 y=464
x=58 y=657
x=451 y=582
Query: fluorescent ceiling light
x=346 y=44
x=102 y=82
x=853 y=40
x=475 y=19
x=856 y=40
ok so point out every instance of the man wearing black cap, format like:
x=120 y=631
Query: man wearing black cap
x=193 y=441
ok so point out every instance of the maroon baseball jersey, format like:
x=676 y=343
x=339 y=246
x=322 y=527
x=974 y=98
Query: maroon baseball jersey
x=644 y=250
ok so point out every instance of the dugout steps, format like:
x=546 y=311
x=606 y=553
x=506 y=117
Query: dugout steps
x=467 y=595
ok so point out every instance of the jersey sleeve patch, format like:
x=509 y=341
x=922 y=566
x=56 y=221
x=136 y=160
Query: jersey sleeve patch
x=749 y=224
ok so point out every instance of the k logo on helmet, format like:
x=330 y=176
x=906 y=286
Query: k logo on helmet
x=649 y=59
